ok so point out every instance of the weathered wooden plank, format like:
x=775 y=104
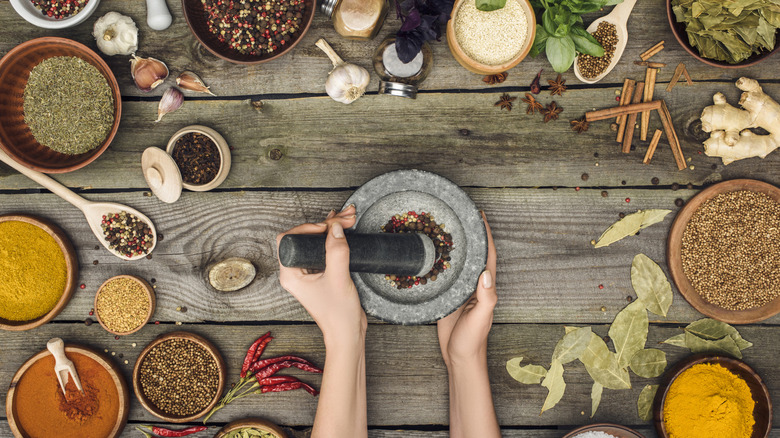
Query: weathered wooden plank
x=304 y=70
x=406 y=377
x=326 y=144
x=548 y=272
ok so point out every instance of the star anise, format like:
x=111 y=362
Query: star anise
x=580 y=125
x=495 y=79
x=551 y=111
x=533 y=104
x=557 y=86
x=505 y=102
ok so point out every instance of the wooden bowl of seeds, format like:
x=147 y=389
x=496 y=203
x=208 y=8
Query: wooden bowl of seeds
x=124 y=304
x=723 y=248
x=179 y=377
x=266 y=429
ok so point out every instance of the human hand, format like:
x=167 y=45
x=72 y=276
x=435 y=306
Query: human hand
x=329 y=296
x=463 y=334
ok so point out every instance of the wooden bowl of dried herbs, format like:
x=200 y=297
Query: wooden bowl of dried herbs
x=253 y=427
x=63 y=128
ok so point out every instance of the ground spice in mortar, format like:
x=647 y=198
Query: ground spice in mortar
x=127 y=234
x=197 y=157
x=412 y=222
x=179 y=377
x=122 y=304
x=592 y=66
x=68 y=105
x=32 y=271
x=730 y=250
x=708 y=400
x=60 y=8
x=494 y=37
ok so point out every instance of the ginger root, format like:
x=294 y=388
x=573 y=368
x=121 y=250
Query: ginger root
x=731 y=138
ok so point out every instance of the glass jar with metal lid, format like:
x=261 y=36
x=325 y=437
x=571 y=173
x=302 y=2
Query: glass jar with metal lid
x=396 y=77
x=356 y=19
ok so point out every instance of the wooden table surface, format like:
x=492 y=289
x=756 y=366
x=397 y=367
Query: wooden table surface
x=541 y=185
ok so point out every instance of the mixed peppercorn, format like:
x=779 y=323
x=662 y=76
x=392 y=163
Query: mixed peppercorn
x=127 y=234
x=413 y=222
x=60 y=8
x=254 y=27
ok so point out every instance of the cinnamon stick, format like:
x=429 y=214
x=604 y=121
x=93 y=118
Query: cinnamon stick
x=628 y=136
x=675 y=77
x=637 y=106
x=650 y=64
x=628 y=90
x=671 y=135
x=650 y=76
x=687 y=76
x=652 y=147
x=647 y=54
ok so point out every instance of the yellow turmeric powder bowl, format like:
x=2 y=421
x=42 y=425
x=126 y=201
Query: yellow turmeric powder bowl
x=38 y=270
x=712 y=396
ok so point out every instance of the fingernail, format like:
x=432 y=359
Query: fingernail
x=337 y=230
x=487 y=279
x=347 y=207
x=331 y=214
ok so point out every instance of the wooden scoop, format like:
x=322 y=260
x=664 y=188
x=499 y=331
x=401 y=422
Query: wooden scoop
x=63 y=364
x=618 y=17
x=93 y=211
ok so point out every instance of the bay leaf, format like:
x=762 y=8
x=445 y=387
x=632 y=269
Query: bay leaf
x=571 y=346
x=528 y=374
x=630 y=225
x=713 y=330
x=568 y=329
x=555 y=385
x=741 y=343
x=629 y=331
x=651 y=285
x=611 y=375
x=596 y=354
x=648 y=363
x=595 y=397
x=677 y=341
x=721 y=346
x=644 y=404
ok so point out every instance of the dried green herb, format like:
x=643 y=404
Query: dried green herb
x=629 y=331
x=596 y=354
x=528 y=374
x=644 y=404
x=572 y=345
x=555 y=385
x=709 y=335
x=249 y=432
x=677 y=341
x=651 y=285
x=723 y=346
x=595 y=397
x=729 y=30
x=648 y=363
x=68 y=105
x=713 y=330
x=612 y=375
x=630 y=225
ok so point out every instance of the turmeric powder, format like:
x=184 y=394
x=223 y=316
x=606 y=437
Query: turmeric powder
x=709 y=400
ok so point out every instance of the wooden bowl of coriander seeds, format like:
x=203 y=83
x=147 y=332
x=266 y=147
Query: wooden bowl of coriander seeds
x=124 y=304
x=179 y=377
x=722 y=251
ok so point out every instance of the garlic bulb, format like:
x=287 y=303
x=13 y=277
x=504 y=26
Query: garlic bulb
x=171 y=101
x=148 y=73
x=116 y=34
x=346 y=81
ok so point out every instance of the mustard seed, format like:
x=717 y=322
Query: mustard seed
x=122 y=305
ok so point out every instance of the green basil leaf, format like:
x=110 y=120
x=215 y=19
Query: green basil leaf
x=585 y=43
x=644 y=405
x=548 y=21
x=560 y=53
x=490 y=5
x=540 y=41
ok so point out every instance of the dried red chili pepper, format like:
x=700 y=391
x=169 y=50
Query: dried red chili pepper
x=281 y=387
x=275 y=380
x=265 y=362
x=272 y=369
x=250 y=354
x=163 y=432
x=261 y=348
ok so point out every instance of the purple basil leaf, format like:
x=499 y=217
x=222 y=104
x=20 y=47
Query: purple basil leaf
x=413 y=20
x=408 y=46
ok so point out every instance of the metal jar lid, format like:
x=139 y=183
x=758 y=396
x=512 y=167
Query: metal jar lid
x=327 y=6
x=398 y=89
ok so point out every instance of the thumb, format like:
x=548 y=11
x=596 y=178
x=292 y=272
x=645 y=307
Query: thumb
x=486 y=294
x=336 y=251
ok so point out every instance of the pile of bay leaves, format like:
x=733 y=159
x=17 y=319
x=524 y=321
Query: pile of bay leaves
x=729 y=30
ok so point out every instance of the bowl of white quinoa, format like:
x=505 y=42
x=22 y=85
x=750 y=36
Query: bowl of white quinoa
x=491 y=42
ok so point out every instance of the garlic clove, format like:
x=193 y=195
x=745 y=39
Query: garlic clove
x=190 y=81
x=148 y=73
x=171 y=101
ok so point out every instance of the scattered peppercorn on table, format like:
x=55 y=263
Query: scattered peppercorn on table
x=546 y=190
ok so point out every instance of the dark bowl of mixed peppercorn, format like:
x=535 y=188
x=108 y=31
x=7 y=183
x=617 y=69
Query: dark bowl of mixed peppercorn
x=249 y=31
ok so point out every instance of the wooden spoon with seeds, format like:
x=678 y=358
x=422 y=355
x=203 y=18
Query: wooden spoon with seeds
x=618 y=17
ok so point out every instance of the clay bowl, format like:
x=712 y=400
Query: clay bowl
x=113 y=370
x=763 y=408
x=485 y=69
x=191 y=337
x=71 y=264
x=15 y=137
x=149 y=293
x=615 y=430
x=257 y=423
x=222 y=148
x=196 y=18
x=674 y=254
x=678 y=29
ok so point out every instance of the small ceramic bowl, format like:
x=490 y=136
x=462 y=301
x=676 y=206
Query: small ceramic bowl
x=149 y=293
x=71 y=265
x=113 y=370
x=485 y=69
x=256 y=423
x=762 y=412
x=615 y=430
x=678 y=29
x=147 y=404
x=35 y=16
x=196 y=18
x=674 y=254
x=222 y=147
